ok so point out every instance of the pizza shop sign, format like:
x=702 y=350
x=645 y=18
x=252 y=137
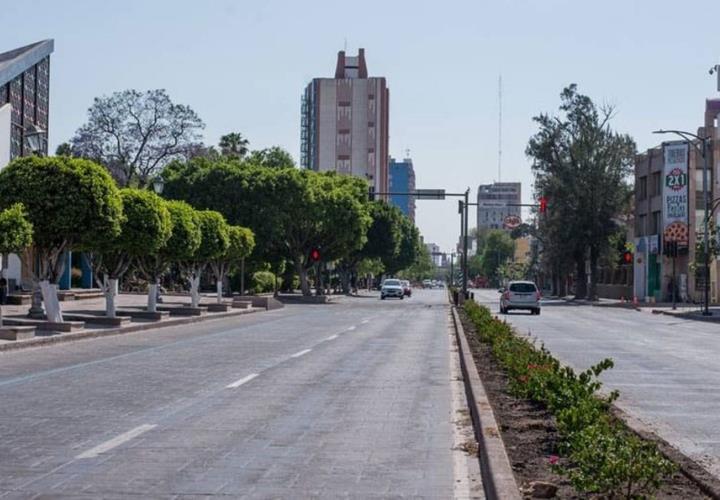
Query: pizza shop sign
x=675 y=191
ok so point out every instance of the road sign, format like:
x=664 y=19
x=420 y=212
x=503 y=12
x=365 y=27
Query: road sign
x=430 y=194
x=492 y=204
x=511 y=221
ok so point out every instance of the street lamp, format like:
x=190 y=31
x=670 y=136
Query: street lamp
x=689 y=136
x=34 y=136
x=158 y=185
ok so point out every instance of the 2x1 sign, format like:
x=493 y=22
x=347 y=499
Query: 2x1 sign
x=430 y=194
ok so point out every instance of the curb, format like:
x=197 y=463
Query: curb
x=70 y=337
x=497 y=475
x=687 y=315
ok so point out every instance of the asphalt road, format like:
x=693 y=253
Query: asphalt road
x=342 y=400
x=666 y=369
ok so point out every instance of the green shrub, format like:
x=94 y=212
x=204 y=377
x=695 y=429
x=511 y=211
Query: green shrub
x=263 y=282
x=606 y=459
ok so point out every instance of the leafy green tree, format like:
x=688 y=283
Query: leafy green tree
x=581 y=166
x=499 y=248
x=422 y=268
x=184 y=240
x=240 y=244
x=69 y=202
x=135 y=134
x=409 y=248
x=274 y=157
x=214 y=244
x=16 y=233
x=233 y=145
x=145 y=229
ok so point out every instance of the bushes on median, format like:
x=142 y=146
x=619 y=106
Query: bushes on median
x=605 y=457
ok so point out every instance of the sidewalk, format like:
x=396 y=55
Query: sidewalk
x=78 y=309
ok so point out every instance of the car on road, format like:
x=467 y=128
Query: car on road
x=520 y=295
x=392 y=288
x=427 y=284
x=407 y=289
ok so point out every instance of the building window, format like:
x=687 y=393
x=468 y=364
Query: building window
x=642 y=188
x=655 y=222
x=656 y=188
x=640 y=225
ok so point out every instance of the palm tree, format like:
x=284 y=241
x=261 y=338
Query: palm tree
x=233 y=145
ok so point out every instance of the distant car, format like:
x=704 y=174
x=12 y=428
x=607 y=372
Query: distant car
x=392 y=288
x=520 y=295
x=427 y=284
x=407 y=289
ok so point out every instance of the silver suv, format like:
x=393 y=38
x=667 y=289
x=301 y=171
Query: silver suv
x=520 y=295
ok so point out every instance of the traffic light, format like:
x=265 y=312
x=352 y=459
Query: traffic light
x=461 y=206
x=371 y=193
x=315 y=255
x=627 y=257
x=543 y=204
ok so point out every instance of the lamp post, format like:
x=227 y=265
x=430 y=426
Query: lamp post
x=688 y=137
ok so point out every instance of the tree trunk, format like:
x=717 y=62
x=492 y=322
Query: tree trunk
x=152 y=297
x=345 y=280
x=110 y=289
x=580 y=277
x=195 y=290
x=592 y=289
x=219 y=286
x=52 y=304
x=302 y=273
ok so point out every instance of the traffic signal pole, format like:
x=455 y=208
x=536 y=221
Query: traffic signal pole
x=465 y=245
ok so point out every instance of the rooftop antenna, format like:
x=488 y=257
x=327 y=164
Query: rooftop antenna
x=499 y=127
x=716 y=70
x=407 y=152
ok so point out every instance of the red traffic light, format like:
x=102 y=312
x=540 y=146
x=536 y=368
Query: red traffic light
x=543 y=204
x=315 y=255
x=628 y=257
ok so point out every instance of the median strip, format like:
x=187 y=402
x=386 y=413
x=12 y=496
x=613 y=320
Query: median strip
x=116 y=441
x=242 y=381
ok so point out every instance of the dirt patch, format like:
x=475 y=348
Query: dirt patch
x=530 y=434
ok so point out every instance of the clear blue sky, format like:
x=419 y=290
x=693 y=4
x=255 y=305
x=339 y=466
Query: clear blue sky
x=242 y=66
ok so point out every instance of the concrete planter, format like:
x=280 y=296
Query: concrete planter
x=184 y=310
x=141 y=314
x=17 y=332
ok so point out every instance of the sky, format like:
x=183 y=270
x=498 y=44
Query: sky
x=242 y=65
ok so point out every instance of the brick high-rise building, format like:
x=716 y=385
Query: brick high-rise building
x=345 y=123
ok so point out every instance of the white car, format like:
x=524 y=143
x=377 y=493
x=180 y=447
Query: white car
x=392 y=288
x=520 y=295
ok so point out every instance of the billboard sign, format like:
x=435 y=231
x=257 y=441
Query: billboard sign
x=675 y=193
x=511 y=221
x=430 y=194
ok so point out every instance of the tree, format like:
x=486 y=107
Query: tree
x=184 y=240
x=408 y=250
x=64 y=149
x=16 y=233
x=135 y=134
x=581 y=167
x=233 y=145
x=214 y=244
x=422 y=268
x=499 y=248
x=70 y=202
x=241 y=242
x=274 y=157
x=145 y=229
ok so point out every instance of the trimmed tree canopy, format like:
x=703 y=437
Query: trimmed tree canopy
x=186 y=236
x=15 y=230
x=241 y=243
x=147 y=225
x=69 y=201
x=215 y=238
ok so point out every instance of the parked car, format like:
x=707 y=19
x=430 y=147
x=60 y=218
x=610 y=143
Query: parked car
x=407 y=289
x=392 y=288
x=520 y=295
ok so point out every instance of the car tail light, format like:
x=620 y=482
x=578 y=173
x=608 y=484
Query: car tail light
x=538 y=295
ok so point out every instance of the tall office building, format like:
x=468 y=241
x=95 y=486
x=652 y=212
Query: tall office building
x=402 y=180
x=345 y=123
x=493 y=200
x=24 y=100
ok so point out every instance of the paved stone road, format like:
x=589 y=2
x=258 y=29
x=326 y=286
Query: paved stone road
x=666 y=369
x=343 y=400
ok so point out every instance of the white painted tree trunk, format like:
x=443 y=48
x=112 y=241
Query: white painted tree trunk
x=219 y=287
x=52 y=304
x=111 y=291
x=152 y=297
x=195 y=291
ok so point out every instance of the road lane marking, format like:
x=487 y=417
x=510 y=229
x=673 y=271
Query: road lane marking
x=242 y=381
x=365 y=321
x=300 y=353
x=116 y=441
x=332 y=337
x=350 y=329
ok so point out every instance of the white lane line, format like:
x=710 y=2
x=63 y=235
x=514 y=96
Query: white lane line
x=242 y=381
x=332 y=337
x=365 y=321
x=116 y=441
x=300 y=353
x=350 y=329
